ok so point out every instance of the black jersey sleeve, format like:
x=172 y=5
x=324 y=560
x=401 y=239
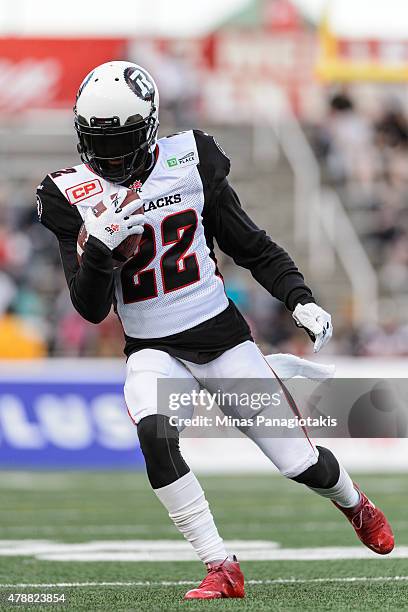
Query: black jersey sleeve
x=248 y=245
x=91 y=283
x=55 y=212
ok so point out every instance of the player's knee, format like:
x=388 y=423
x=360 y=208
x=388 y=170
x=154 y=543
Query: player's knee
x=159 y=442
x=322 y=475
x=155 y=436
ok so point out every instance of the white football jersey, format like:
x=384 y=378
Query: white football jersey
x=171 y=284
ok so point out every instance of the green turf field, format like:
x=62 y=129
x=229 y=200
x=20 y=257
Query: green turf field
x=107 y=507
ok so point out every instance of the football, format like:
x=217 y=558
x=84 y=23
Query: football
x=128 y=247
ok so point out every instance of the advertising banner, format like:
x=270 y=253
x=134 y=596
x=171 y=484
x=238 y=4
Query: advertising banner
x=64 y=417
x=45 y=73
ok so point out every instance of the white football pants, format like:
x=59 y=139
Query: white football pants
x=292 y=454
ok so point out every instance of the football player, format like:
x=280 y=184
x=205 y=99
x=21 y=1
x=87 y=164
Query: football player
x=177 y=320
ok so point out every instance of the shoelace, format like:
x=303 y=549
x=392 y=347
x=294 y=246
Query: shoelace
x=367 y=511
x=211 y=580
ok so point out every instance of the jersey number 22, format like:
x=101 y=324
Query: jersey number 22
x=177 y=270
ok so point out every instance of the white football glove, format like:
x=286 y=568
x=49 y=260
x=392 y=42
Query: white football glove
x=316 y=321
x=114 y=224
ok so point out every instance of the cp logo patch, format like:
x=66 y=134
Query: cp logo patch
x=83 y=191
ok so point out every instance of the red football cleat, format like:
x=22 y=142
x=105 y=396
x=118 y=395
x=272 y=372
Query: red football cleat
x=224 y=579
x=370 y=525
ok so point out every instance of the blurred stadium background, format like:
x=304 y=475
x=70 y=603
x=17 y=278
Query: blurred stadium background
x=313 y=118
x=309 y=100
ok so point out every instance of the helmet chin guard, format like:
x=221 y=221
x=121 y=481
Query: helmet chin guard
x=116 y=120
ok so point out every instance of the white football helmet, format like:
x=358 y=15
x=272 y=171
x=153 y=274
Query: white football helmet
x=116 y=119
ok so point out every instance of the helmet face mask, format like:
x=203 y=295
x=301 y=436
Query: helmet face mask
x=117 y=122
x=117 y=154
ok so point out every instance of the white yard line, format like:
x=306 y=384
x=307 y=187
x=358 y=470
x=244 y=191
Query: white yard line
x=13 y=531
x=284 y=554
x=146 y=583
x=176 y=550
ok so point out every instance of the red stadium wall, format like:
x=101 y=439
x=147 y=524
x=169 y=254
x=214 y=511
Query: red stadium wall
x=45 y=73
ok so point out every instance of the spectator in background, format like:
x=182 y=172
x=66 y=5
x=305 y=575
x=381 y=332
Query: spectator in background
x=350 y=139
x=391 y=129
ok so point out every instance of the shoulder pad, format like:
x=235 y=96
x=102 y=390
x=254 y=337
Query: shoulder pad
x=79 y=185
x=179 y=151
x=214 y=162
